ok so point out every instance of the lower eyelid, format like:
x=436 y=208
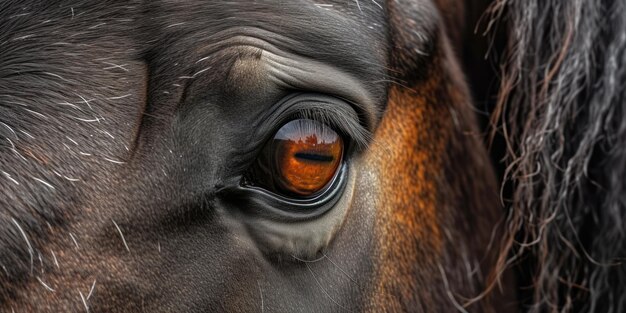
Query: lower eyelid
x=284 y=226
x=257 y=202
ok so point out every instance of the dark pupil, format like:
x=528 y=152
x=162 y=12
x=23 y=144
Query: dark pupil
x=314 y=157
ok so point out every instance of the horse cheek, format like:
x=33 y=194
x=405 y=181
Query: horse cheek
x=406 y=151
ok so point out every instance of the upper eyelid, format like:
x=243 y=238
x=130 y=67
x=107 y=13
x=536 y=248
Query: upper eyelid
x=359 y=135
x=326 y=109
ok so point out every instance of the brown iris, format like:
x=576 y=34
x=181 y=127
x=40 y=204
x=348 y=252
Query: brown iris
x=300 y=160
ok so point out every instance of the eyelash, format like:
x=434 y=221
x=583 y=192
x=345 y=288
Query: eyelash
x=340 y=116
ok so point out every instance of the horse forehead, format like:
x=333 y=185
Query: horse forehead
x=328 y=27
x=285 y=13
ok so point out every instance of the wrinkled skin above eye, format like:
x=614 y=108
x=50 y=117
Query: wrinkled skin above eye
x=300 y=160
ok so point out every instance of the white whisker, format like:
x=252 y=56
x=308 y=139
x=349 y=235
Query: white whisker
x=340 y=269
x=201 y=71
x=43 y=182
x=175 y=24
x=86 y=120
x=377 y=4
x=11 y=129
x=93 y=286
x=8 y=176
x=15 y=150
x=84 y=301
x=30 y=248
x=449 y=292
x=44 y=284
x=119 y=97
x=54 y=258
x=72 y=140
x=86 y=102
x=74 y=240
x=308 y=261
x=322 y=288
x=113 y=65
x=113 y=161
x=27 y=134
x=36 y=113
x=121 y=235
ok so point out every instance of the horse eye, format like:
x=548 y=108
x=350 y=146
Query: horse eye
x=300 y=160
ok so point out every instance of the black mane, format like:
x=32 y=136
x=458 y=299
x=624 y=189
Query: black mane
x=561 y=110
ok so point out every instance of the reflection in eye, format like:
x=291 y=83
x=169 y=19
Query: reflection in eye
x=300 y=160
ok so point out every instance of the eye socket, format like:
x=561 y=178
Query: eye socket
x=300 y=160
